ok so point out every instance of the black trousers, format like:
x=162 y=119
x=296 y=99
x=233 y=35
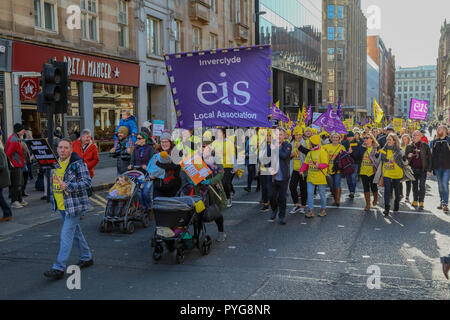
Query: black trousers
x=278 y=194
x=419 y=186
x=368 y=184
x=227 y=181
x=4 y=205
x=296 y=180
x=266 y=185
x=251 y=173
x=16 y=184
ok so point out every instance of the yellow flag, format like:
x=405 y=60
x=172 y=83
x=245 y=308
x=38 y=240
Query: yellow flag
x=304 y=115
x=299 y=115
x=378 y=112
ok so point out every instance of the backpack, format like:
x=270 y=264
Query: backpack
x=344 y=162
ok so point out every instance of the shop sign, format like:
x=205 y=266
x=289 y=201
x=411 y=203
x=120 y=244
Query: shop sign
x=28 y=88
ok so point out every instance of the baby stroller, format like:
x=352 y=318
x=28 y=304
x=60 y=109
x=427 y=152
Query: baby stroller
x=132 y=210
x=173 y=216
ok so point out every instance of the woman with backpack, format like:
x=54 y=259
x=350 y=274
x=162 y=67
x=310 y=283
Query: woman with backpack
x=333 y=150
x=369 y=166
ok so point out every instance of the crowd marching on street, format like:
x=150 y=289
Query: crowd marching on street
x=309 y=162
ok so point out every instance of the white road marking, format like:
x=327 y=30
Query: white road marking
x=377 y=229
x=231 y=247
x=341 y=226
x=410 y=260
x=272 y=250
x=422 y=232
x=321 y=253
x=366 y=257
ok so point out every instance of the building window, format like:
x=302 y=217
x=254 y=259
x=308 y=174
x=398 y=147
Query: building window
x=153 y=36
x=339 y=75
x=340 y=33
x=45 y=14
x=331 y=11
x=123 y=23
x=405 y=89
x=340 y=54
x=330 y=54
x=241 y=11
x=331 y=96
x=341 y=95
x=429 y=88
x=331 y=74
x=213 y=5
x=330 y=33
x=89 y=18
x=238 y=10
x=178 y=47
x=107 y=115
x=196 y=39
x=213 y=41
x=406 y=103
x=340 y=12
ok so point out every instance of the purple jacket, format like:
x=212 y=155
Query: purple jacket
x=142 y=155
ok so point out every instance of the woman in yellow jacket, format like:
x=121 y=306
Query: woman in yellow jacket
x=333 y=150
x=392 y=160
x=316 y=164
x=299 y=152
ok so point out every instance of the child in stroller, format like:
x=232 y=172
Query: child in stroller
x=118 y=195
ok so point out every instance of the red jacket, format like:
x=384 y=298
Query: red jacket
x=425 y=139
x=14 y=151
x=89 y=156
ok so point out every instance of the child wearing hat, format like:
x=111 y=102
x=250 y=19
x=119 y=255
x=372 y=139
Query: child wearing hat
x=123 y=150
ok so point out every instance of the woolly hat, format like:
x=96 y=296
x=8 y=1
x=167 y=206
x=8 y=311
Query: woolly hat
x=123 y=130
x=166 y=136
x=315 y=140
x=298 y=130
x=18 y=127
x=350 y=134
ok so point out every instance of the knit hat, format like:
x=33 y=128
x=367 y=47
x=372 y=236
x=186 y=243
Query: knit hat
x=123 y=130
x=298 y=130
x=18 y=127
x=350 y=134
x=166 y=136
x=315 y=140
x=145 y=135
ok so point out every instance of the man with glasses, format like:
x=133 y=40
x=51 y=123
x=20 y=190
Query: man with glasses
x=441 y=164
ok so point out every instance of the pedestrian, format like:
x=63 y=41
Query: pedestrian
x=382 y=139
x=26 y=171
x=142 y=153
x=420 y=160
x=299 y=152
x=171 y=183
x=392 y=171
x=354 y=147
x=251 y=145
x=87 y=150
x=5 y=181
x=333 y=150
x=406 y=141
x=265 y=152
x=14 y=152
x=225 y=152
x=441 y=164
x=122 y=150
x=369 y=166
x=128 y=121
x=69 y=195
x=280 y=178
x=316 y=164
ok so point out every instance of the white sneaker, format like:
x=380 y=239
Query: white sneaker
x=16 y=205
x=229 y=203
x=23 y=203
x=222 y=237
x=302 y=210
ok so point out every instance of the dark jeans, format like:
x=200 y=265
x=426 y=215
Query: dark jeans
x=297 y=179
x=5 y=207
x=395 y=185
x=227 y=181
x=408 y=189
x=368 y=184
x=16 y=184
x=266 y=186
x=251 y=170
x=419 y=185
x=278 y=197
x=115 y=207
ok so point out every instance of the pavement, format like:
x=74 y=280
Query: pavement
x=332 y=258
x=38 y=211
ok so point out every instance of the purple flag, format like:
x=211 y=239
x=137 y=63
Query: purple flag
x=222 y=87
x=418 y=109
x=339 y=109
x=279 y=115
x=331 y=122
x=309 y=115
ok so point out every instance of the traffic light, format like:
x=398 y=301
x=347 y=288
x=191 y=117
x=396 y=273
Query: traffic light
x=55 y=88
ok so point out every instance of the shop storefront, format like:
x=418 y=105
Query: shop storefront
x=99 y=89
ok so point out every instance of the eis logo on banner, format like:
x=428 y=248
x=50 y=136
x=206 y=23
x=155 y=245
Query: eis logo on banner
x=418 y=109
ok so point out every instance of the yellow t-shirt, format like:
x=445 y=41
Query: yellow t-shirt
x=313 y=159
x=391 y=169
x=333 y=152
x=58 y=193
x=296 y=160
x=224 y=152
x=366 y=164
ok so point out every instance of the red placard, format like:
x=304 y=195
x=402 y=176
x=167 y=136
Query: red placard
x=30 y=58
x=28 y=88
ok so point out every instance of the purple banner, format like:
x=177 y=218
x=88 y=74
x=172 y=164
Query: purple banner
x=331 y=122
x=225 y=87
x=278 y=115
x=418 y=109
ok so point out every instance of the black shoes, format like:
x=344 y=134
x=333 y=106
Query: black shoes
x=386 y=211
x=84 y=264
x=282 y=221
x=272 y=217
x=54 y=274
x=248 y=189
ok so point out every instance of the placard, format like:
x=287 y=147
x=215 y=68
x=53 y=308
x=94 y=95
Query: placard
x=316 y=116
x=418 y=109
x=43 y=153
x=398 y=124
x=195 y=168
x=158 y=127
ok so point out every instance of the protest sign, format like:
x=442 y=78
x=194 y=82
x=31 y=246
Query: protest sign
x=158 y=127
x=195 y=168
x=418 y=109
x=316 y=116
x=398 y=124
x=223 y=87
x=43 y=153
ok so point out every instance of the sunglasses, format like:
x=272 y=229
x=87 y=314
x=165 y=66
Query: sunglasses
x=140 y=138
x=367 y=138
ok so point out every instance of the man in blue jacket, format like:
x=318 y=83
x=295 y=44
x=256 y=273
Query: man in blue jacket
x=129 y=121
x=280 y=177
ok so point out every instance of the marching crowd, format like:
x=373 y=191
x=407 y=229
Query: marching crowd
x=308 y=162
